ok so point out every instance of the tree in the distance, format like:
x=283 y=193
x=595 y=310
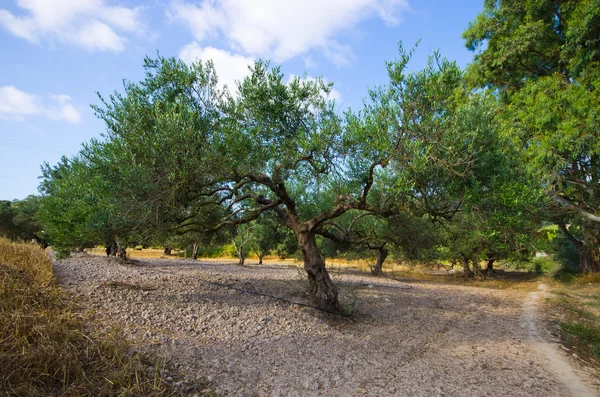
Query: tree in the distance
x=19 y=220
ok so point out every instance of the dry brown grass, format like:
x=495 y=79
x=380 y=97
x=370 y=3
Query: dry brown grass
x=398 y=270
x=46 y=348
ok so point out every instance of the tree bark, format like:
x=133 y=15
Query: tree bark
x=467 y=273
x=490 y=265
x=260 y=259
x=476 y=269
x=242 y=259
x=114 y=248
x=382 y=253
x=195 y=251
x=167 y=251
x=589 y=249
x=320 y=285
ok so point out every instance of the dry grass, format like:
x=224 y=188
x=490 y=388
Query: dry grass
x=45 y=347
x=154 y=253
x=430 y=273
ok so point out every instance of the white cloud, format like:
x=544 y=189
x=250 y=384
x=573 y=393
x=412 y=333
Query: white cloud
x=308 y=62
x=233 y=67
x=17 y=105
x=87 y=23
x=230 y=67
x=98 y=36
x=283 y=29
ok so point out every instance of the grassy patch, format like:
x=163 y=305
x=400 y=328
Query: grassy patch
x=587 y=338
x=45 y=346
x=526 y=281
x=575 y=306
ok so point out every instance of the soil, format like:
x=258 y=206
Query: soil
x=224 y=324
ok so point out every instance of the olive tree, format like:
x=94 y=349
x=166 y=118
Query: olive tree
x=179 y=154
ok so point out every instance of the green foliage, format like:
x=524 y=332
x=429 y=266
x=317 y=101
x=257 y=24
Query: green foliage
x=288 y=246
x=565 y=253
x=19 y=220
x=521 y=40
x=542 y=58
x=268 y=234
x=546 y=264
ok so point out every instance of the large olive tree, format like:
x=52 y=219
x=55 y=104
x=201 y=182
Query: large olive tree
x=181 y=155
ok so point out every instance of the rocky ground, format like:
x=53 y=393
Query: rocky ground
x=214 y=323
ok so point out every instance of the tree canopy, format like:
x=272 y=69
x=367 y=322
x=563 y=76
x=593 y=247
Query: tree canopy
x=181 y=156
x=542 y=57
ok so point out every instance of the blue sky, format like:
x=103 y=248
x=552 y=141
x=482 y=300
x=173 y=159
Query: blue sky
x=56 y=54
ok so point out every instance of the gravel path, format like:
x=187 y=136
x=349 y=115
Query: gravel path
x=417 y=339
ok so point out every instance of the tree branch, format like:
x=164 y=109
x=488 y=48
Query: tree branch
x=569 y=204
x=570 y=236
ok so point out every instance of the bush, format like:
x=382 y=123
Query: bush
x=545 y=264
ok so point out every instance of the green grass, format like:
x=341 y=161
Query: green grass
x=47 y=347
x=586 y=337
x=576 y=304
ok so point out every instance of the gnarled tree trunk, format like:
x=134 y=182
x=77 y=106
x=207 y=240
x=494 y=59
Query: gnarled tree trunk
x=382 y=253
x=260 y=258
x=122 y=253
x=467 y=273
x=167 y=251
x=112 y=249
x=589 y=258
x=476 y=269
x=320 y=285
x=490 y=265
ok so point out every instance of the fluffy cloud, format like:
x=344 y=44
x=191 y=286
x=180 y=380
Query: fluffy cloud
x=230 y=67
x=283 y=29
x=17 y=105
x=90 y=24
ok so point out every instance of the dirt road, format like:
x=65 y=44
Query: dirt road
x=406 y=339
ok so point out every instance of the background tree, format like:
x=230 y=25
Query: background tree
x=242 y=239
x=543 y=59
x=408 y=238
x=19 y=220
x=73 y=208
x=268 y=234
